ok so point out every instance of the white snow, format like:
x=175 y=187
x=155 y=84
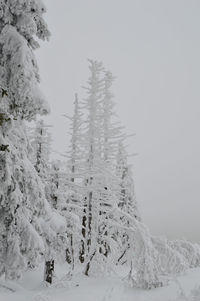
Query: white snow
x=31 y=288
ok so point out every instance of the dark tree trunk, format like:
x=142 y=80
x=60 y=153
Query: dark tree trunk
x=89 y=233
x=82 y=251
x=89 y=220
x=68 y=256
x=87 y=269
x=88 y=264
x=70 y=253
x=49 y=270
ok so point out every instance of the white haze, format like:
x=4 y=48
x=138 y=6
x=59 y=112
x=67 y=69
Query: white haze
x=153 y=49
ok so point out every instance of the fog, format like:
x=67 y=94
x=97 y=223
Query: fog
x=153 y=49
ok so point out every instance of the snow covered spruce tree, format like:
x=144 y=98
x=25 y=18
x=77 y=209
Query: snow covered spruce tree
x=112 y=132
x=111 y=135
x=48 y=173
x=100 y=195
x=92 y=171
x=64 y=201
x=26 y=219
x=72 y=183
x=128 y=231
x=127 y=199
x=127 y=202
x=92 y=150
x=74 y=153
x=109 y=204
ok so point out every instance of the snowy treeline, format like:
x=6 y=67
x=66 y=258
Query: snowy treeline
x=82 y=210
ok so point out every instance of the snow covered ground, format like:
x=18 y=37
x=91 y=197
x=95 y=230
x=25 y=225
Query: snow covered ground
x=31 y=288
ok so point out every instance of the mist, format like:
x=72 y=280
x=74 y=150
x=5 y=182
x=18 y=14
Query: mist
x=152 y=47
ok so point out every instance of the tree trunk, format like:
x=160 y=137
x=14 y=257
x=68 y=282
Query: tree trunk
x=68 y=256
x=89 y=233
x=89 y=223
x=49 y=270
x=70 y=253
x=87 y=268
x=83 y=231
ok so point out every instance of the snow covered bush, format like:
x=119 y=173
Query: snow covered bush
x=169 y=260
x=176 y=256
x=190 y=251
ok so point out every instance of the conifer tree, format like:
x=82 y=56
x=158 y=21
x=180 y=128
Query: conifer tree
x=40 y=143
x=74 y=154
x=26 y=219
x=111 y=129
x=92 y=149
x=75 y=171
x=105 y=190
x=127 y=201
x=99 y=199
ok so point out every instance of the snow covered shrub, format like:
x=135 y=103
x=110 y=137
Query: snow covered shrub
x=175 y=257
x=142 y=258
x=169 y=261
x=190 y=251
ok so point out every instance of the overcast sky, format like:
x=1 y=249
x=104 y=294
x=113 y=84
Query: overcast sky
x=153 y=48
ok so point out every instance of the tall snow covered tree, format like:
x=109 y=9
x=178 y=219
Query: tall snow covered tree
x=75 y=153
x=99 y=198
x=104 y=190
x=40 y=143
x=75 y=170
x=92 y=149
x=127 y=201
x=112 y=133
x=26 y=219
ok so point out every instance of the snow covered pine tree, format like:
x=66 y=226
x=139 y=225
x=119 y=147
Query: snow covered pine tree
x=40 y=142
x=26 y=219
x=75 y=169
x=94 y=176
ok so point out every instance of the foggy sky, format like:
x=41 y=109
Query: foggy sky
x=153 y=48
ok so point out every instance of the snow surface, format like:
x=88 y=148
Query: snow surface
x=31 y=288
